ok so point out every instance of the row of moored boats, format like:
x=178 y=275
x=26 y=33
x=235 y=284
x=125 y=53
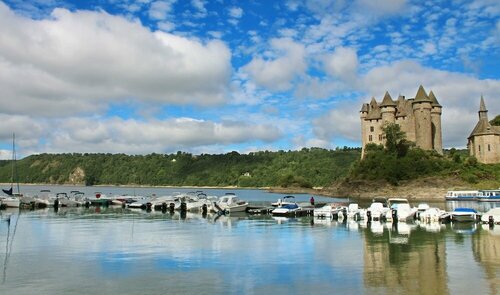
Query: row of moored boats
x=400 y=210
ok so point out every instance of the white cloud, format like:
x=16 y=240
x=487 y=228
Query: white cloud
x=132 y=136
x=279 y=72
x=200 y=7
x=79 y=61
x=343 y=64
x=236 y=12
x=159 y=10
x=458 y=94
x=381 y=7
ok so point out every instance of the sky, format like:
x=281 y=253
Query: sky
x=215 y=76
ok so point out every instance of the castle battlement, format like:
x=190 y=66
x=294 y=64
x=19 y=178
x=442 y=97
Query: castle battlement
x=418 y=117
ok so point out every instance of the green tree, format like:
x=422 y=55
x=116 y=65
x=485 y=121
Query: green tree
x=495 y=121
x=395 y=139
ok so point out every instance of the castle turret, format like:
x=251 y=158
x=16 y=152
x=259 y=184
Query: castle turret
x=423 y=126
x=362 y=114
x=437 y=137
x=484 y=140
x=388 y=109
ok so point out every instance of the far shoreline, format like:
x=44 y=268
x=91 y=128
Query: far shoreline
x=432 y=194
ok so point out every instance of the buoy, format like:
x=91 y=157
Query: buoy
x=56 y=204
x=163 y=207
x=171 y=207
x=183 y=207
x=204 y=209
x=491 y=221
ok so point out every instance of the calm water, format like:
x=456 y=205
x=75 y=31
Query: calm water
x=119 y=251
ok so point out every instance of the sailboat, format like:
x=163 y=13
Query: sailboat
x=12 y=199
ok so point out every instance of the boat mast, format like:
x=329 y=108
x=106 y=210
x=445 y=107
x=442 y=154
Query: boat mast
x=14 y=168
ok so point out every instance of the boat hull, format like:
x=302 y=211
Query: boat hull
x=10 y=202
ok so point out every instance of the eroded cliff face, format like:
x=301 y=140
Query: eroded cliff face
x=77 y=176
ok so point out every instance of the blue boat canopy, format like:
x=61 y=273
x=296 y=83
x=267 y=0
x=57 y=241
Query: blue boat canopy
x=465 y=210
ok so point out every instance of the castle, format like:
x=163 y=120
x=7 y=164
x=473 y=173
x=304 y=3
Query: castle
x=419 y=118
x=484 y=140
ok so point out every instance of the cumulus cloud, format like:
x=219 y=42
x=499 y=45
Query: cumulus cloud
x=236 y=12
x=134 y=136
x=343 y=64
x=159 y=10
x=79 y=61
x=458 y=94
x=277 y=73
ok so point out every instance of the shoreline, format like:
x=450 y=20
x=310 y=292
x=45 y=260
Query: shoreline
x=425 y=189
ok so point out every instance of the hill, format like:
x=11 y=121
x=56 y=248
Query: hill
x=308 y=168
x=401 y=169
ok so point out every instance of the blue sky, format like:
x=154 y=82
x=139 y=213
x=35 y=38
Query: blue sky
x=201 y=76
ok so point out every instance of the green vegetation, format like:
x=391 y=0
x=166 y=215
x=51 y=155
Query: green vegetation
x=401 y=160
x=495 y=121
x=305 y=168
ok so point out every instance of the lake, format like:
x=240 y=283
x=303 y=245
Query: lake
x=121 y=251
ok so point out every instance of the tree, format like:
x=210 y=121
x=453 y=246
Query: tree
x=395 y=139
x=495 y=121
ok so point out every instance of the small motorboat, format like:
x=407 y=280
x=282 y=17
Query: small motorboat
x=284 y=201
x=492 y=216
x=232 y=203
x=287 y=208
x=400 y=210
x=464 y=215
x=376 y=211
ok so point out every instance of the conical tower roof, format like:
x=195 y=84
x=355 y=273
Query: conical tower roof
x=482 y=106
x=374 y=112
x=364 y=108
x=434 y=101
x=387 y=101
x=421 y=95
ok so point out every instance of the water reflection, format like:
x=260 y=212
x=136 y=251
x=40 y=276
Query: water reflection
x=144 y=252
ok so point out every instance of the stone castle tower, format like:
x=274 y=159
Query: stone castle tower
x=484 y=140
x=419 y=118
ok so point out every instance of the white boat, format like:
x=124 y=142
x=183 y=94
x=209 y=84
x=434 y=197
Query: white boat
x=489 y=195
x=492 y=216
x=462 y=195
x=432 y=214
x=324 y=212
x=400 y=209
x=464 y=215
x=376 y=211
x=286 y=200
x=289 y=207
x=12 y=200
x=231 y=203
x=354 y=212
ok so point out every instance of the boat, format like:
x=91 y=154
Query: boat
x=432 y=215
x=489 y=195
x=284 y=201
x=289 y=207
x=400 y=210
x=12 y=200
x=462 y=195
x=492 y=216
x=377 y=210
x=464 y=215
x=232 y=203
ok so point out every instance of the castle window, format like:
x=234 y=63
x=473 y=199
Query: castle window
x=380 y=137
x=489 y=148
x=370 y=138
x=479 y=148
x=372 y=129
